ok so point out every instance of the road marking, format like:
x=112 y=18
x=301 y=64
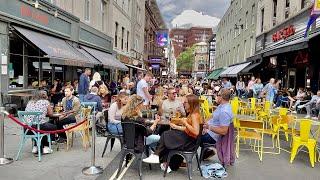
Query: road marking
x=123 y=170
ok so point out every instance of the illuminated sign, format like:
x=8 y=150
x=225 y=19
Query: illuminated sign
x=283 y=33
x=162 y=38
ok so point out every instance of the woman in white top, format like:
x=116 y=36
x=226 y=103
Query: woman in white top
x=40 y=103
x=115 y=113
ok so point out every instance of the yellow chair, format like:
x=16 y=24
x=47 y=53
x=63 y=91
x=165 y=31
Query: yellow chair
x=83 y=129
x=266 y=111
x=205 y=107
x=274 y=122
x=252 y=130
x=304 y=140
x=283 y=111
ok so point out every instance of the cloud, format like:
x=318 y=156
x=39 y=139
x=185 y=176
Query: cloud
x=194 y=18
x=173 y=8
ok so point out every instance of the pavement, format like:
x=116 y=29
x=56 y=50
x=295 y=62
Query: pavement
x=67 y=165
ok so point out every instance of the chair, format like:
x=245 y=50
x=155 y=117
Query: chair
x=87 y=112
x=129 y=143
x=205 y=107
x=283 y=111
x=304 y=140
x=35 y=121
x=187 y=155
x=253 y=130
x=110 y=136
x=205 y=147
x=274 y=122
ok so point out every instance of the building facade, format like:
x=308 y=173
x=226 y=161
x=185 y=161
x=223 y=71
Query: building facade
x=201 y=60
x=212 y=52
x=183 y=38
x=236 y=33
x=154 y=55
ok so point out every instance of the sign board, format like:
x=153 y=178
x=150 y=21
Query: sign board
x=162 y=38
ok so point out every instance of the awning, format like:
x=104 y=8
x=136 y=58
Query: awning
x=215 y=74
x=250 y=67
x=255 y=57
x=106 y=59
x=92 y=59
x=288 y=47
x=135 y=67
x=232 y=71
x=58 y=50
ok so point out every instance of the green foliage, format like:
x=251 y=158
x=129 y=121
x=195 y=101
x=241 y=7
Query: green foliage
x=186 y=59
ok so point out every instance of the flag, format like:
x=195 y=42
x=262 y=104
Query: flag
x=315 y=13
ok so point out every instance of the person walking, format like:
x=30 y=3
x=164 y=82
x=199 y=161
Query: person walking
x=270 y=90
x=83 y=87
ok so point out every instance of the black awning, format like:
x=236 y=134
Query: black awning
x=58 y=50
x=250 y=67
x=289 y=47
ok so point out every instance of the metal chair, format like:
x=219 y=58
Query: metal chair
x=34 y=120
x=204 y=147
x=187 y=155
x=110 y=136
x=129 y=144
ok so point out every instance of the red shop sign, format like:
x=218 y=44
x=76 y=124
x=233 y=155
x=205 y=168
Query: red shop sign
x=283 y=33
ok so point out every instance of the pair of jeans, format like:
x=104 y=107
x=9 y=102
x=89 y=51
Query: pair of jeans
x=81 y=97
x=46 y=127
x=115 y=128
x=62 y=122
x=152 y=140
x=207 y=139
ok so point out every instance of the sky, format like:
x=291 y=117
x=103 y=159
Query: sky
x=177 y=13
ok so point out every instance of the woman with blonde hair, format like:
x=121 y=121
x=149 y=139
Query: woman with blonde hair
x=115 y=112
x=96 y=80
x=157 y=98
x=132 y=112
x=104 y=95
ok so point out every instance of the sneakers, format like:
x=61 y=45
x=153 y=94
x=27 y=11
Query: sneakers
x=307 y=116
x=47 y=150
x=163 y=168
x=152 y=159
x=294 y=112
x=300 y=106
x=314 y=118
x=34 y=150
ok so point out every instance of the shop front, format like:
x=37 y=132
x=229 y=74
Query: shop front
x=287 y=55
x=46 y=43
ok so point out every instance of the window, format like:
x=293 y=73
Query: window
x=136 y=43
x=128 y=41
x=201 y=67
x=287 y=3
x=245 y=49
x=286 y=14
x=262 y=20
x=275 y=3
x=116 y=35
x=253 y=13
x=246 y=21
x=122 y=36
x=87 y=10
x=252 y=46
x=103 y=9
x=303 y=4
x=238 y=53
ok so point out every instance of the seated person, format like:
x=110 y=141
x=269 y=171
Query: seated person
x=115 y=113
x=71 y=106
x=94 y=97
x=171 y=105
x=309 y=105
x=219 y=123
x=39 y=103
x=105 y=100
x=132 y=112
x=299 y=97
x=179 y=137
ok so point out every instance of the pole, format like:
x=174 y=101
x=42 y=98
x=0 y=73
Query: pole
x=93 y=169
x=3 y=159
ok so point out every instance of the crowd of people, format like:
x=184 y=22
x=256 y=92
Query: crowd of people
x=126 y=101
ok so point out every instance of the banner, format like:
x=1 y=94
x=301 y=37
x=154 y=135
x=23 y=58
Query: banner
x=315 y=13
x=162 y=38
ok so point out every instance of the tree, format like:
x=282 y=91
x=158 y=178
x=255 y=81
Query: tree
x=185 y=60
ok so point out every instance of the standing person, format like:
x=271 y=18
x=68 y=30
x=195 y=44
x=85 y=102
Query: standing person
x=240 y=86
x=40 y=103
x=270 y=90
x=250 y=86
x=83 y=87
x=143 y=88
x=96 y=80
x=71 y=106
x=257 y=88
x=179 y=137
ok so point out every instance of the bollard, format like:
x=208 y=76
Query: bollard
x=93 y=169
x=3 y=159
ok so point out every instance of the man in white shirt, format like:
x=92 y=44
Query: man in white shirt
x=143 y=88
x=171 y=105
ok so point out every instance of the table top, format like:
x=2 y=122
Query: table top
x=162 y=122
x=55 y=115
x=246 y=117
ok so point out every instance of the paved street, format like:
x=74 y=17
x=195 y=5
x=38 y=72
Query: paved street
x=64 y=165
